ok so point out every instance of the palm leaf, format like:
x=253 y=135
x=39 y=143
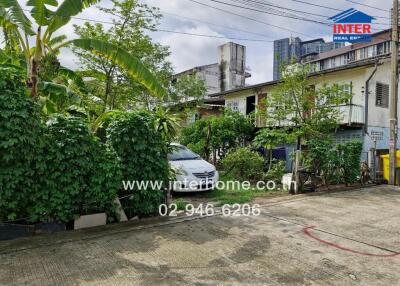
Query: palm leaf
x=92 y=74
x=77 y=111
x=104 y=118
x=58 y=94
x=39 y=12
x=17 y=15
x=70 y=74
x=125 y=60
x=65 y=11
x=56 y=40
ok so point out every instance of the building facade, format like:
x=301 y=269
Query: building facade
x=365 y=68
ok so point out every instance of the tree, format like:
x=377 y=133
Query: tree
x=188 y=87
x=268 y=139
x=218 y=134
x=113 y=84
x=48 y=22
x=297 y=111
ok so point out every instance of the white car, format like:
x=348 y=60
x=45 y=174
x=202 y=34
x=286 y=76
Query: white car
x=193 y=174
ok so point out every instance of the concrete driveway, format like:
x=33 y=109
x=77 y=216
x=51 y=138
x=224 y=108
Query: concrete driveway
x=342 y=238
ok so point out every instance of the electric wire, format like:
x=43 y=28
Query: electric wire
x=366 y=5
x=213 y=24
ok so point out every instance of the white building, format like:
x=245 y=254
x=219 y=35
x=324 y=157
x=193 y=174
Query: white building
x=365 y=67
x=227 y=74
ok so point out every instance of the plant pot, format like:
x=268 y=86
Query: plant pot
x=49 y=227
x=12 y=231
x=86 y=221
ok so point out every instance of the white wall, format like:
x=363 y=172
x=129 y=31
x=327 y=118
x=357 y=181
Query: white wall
x=211 y=75
x=238 y=102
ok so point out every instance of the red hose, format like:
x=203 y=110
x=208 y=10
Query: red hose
x=307 y=231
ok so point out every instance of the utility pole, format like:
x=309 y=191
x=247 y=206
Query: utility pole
x=393 y=94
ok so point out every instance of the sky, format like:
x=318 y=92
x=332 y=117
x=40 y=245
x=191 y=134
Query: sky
x=188 y=51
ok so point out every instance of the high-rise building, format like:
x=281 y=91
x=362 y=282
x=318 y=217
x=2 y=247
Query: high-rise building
x=285 y=50
x=292 y=49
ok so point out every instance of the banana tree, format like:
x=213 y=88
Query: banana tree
x=48 y=22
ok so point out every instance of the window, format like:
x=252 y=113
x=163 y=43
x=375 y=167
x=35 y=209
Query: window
x=347 y=137
x=233 y=105
x=362 y=54
x=382 y=94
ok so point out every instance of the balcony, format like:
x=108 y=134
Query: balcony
x=351 y=114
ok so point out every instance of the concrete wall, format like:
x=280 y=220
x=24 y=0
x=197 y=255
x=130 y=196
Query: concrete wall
x=211 y=75
x=232 y=60
x=377 y=116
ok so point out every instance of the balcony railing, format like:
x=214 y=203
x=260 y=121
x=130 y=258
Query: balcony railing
x=350 y=114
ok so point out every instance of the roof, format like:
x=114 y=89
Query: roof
x=194 y=69
x=352 y=16
x=263 y=84
x=314 y=40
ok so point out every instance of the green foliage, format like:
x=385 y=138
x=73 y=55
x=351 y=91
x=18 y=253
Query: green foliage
x=141 y=150
x=300 y=109
x=229 y=130
x=218 y=134
x=276 y=171
x=19 y=140
x=336 y=164
x=350 y=154
x=188 y=87
x=194 y=136
x=76 y=174
x=244 y=164
x=166 y=124
x=180 y=204
x=49 y=67
x=124 y=59
x=110 y=82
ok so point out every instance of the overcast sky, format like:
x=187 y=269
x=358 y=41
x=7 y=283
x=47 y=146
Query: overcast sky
x=189 y=51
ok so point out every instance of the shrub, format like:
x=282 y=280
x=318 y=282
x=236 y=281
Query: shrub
x=143 y=157
x=337 y=164
x=194 y=136
x=19 y=140
x=77 y=175
x=276 y=171
x=218 y=134
x=244 y=164
x=350 y=154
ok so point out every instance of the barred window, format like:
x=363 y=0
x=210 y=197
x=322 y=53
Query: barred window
x=382 y=94
x=233 y=105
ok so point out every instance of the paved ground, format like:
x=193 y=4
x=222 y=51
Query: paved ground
x=355 y=242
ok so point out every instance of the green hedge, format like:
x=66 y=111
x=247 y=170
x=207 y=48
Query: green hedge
x=57 y=170
x=76 y=174
x=143 y=157
x=49 y=172
x=19 y=142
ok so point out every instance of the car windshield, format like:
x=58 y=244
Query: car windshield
x=182 y=153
